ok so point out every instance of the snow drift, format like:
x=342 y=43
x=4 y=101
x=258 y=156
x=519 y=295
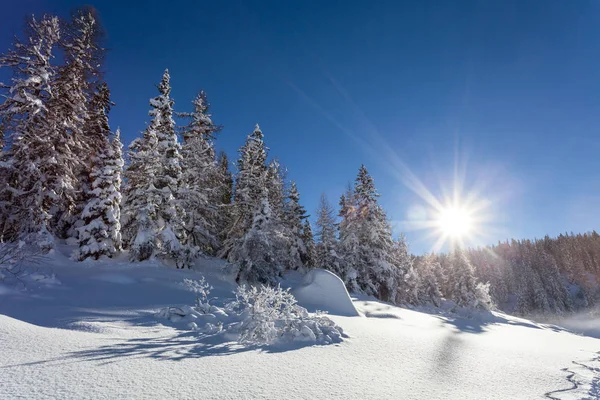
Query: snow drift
x=323 y=290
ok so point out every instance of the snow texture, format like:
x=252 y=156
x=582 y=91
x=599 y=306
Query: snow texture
x=91 y=338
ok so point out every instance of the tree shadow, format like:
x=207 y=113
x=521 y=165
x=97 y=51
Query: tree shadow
x=480 y=322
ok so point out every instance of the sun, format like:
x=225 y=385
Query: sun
x=455 y=222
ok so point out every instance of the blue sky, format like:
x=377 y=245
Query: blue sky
x=502 y=96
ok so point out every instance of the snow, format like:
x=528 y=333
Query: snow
x=322 y=290
x=93 y=337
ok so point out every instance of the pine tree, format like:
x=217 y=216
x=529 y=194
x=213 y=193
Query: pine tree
x=249 y=184
x=32 y=172
x=275 y=182
x=309 y=243
x=139 y=214
x=326 y=252
x=153 y=216
x=293 y=220
x=348 y=246
x=200 y=189
x=407 y=281
x=429 y=289
x=76 y=117
x=258 y=252
x=224 y=198
x=375 y=272
x=101 y=234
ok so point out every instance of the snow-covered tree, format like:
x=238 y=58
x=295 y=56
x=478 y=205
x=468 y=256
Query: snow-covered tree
x=153 y=216
x=101 y=234
x=369 y=249
x=326 y=252
x=258 y=252
x=405 y=290
x=224 y=197
x=348 y=246
x=275 y=182
x=249 y=184
x=309 y=242
x=429 y=288
x=201 y=180
x=139 y=214
x=33 y=174
x=293 y=220
x=76 y=115
x=462 y=285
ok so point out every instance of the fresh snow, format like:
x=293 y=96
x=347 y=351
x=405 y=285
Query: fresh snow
x=91 y=331
x=322 y=290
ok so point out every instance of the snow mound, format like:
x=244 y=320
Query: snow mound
x=325 y=291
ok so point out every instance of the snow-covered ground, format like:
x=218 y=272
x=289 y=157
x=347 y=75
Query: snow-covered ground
x=89 y=330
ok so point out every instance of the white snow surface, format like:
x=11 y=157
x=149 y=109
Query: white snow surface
x=92 y=334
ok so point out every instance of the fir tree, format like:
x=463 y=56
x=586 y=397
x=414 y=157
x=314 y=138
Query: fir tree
x=309 y=242
x=200 y=190
x=294 y=216
x=259 y=250
x=76 y=117
x=153 y=216
x=101 y=234
x=326 y=252
x=249 y=184
x=32 y=172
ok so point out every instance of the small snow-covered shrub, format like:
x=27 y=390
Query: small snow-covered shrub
x=271 y=314
x=202 y=290
x=258 y=316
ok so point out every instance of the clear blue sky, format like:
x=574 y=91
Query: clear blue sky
x=508 y=91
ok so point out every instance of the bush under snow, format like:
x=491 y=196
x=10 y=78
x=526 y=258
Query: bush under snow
x=258 y=316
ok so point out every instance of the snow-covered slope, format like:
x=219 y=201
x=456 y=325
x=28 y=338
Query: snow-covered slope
x=90 y=332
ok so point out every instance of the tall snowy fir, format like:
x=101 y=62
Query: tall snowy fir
x=101 y=234
x=201 y=192
x=74 y=121
x=258 y=253
x=375 y=273
x=309 y=242
x=153 y=215
x=275 y=183
x=348 y=240
x=326 y=248
x=224 y=197
x=294 y=216
x=249 y=184
x=32 y=173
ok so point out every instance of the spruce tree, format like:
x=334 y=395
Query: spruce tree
x=258 y=251
x=75 y=114
x=32 y=173
x=375 y=272
x=309 y=242
x=293 y=221
x=249 y=184
x=101 y=234
x=200 y=191
x=153 y=216
x=326 y=252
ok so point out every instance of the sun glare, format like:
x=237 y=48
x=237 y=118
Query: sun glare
x=455 y=222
